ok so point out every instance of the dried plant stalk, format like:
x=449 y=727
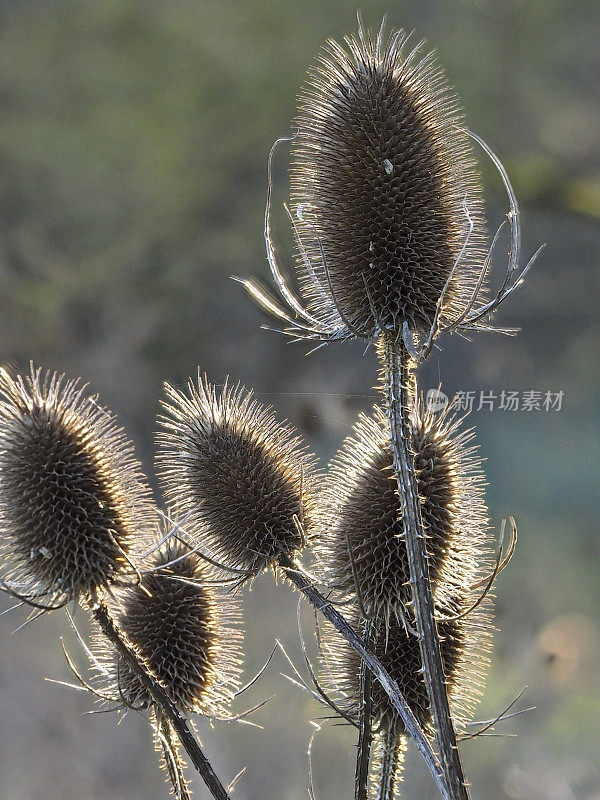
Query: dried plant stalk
x=248 y=489
x=400 y=396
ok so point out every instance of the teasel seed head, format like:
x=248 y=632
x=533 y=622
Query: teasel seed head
x=184 y=629
x=383 y=179
x=465 y=646
x=235 y=473
x=73 y=500
x=361 y=515
x=360 y=535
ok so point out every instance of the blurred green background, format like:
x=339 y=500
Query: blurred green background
x=133 y=145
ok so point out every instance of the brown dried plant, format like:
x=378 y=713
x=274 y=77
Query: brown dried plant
x=364 y=557
x=386 y=208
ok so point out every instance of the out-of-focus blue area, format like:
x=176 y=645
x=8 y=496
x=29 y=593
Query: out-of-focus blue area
x=133 y=144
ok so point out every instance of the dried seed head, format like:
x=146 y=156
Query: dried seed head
x=464 y=645
x=73 y=500
x=228 y=466
x=183 y=629
x=384 y=179
x=362 y=516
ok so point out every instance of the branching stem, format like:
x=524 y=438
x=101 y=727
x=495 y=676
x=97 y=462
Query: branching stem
x=401 y=390
x=389 y=685
x=178 y=723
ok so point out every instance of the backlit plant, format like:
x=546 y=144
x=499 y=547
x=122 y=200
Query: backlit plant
x=386 y=208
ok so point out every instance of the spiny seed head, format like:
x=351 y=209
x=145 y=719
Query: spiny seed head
x=364 y=556
x=382 y=172
x=184 y=630
x=73 y=500
x=228 y=466
x=360 y=534
x=464 y=646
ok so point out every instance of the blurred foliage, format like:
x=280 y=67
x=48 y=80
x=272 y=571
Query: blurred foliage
x=133 y=143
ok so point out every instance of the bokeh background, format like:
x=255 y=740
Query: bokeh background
x=133 y=145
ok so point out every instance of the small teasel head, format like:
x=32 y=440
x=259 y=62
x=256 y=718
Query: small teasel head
x=73 y=500
x=235 y=473
x=360 y=534
x=184 y=629
x=384 y=191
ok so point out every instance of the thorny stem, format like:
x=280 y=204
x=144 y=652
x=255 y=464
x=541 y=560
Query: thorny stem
x=389 y=685
x=172 y=759
x=400 y=389
x=365 y=710
x=389 y=763
x=178 y=723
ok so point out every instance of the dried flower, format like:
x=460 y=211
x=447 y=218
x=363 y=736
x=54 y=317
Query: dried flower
x=184 y=630
x=230 y=468
x=382 y=171
x=185 y=633
x=464 y=643
x=361 y=546
x=386 y=203
x=360 y=538
x=73 y=500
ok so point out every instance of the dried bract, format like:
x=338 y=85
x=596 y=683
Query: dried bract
x=244 y=480
x=73 y=500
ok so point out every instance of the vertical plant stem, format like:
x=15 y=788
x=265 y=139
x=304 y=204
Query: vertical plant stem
x=390 y=761
x=389 y=685
x=173 y=761
x=365 y=712
x=401 y=391
x=178 y=723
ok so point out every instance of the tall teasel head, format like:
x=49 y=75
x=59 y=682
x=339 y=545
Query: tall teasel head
x=73 y=500
x=386 y=203
x=185 y=631
x=363 y=552
x=230 y=469
x=382 y=173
